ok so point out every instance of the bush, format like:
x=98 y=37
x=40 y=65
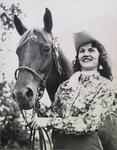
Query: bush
x=13 y=134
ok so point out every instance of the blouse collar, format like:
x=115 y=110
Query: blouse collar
x=88 y=76
x=90 y=73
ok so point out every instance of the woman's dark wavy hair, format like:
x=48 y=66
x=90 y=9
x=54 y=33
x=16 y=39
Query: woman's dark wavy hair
x=103 y=61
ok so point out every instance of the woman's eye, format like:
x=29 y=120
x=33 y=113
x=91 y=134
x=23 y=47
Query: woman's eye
x=81 y=50
x=91 y=50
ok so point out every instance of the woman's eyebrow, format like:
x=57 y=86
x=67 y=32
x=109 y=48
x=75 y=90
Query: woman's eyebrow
x=81 y=49
x=91 y=49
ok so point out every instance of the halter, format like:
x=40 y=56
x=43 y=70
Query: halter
x=42 y=86
x=43 y=80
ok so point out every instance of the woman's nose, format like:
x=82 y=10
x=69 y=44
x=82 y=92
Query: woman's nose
x=86 y=53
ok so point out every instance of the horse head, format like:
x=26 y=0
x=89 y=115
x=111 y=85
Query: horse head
x=35 y=60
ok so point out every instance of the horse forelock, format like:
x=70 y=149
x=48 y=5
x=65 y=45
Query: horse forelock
x=24 y=38
x=42 y=35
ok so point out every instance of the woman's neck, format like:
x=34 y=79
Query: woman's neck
x=90 y=72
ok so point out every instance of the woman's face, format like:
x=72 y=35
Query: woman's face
x=88 y=57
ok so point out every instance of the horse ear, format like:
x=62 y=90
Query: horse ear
x=19 y=25
x=48 y=23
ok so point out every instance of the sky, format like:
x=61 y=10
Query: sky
x=97 y=17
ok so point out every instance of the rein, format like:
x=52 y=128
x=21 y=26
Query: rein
x=41 y=132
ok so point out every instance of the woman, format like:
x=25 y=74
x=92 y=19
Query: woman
x=82 y=103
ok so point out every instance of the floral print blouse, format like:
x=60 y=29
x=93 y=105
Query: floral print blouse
x=82 y=103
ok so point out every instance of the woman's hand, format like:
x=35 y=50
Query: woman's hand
x=38 y=122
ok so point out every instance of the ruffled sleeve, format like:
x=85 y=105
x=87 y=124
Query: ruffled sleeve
x=64 y=96
x=101 y=107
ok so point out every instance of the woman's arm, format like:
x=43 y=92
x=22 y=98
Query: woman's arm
x=68 y=124
x=101 y=106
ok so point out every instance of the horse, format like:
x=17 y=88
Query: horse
x=42 y=65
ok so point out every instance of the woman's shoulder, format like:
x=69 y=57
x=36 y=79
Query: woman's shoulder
x=74 y=79
x=75 y=76
x=72 y=82
x=107 y=83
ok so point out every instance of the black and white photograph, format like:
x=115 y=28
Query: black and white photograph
x=58 y=74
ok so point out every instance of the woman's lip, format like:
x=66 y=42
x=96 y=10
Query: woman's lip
x=87 y=59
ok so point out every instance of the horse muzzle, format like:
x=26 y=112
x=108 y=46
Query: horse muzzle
x=24 y=97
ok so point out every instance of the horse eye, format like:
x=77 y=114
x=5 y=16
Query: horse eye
x=47 y=48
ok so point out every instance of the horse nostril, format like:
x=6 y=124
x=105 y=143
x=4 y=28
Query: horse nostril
x=13 y=95
x=29 y=93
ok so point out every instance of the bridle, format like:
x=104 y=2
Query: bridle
x=42 y=86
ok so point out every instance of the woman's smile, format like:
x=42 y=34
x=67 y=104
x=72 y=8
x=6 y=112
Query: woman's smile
x=87 y=59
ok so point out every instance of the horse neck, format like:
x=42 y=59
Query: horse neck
x=55 y=78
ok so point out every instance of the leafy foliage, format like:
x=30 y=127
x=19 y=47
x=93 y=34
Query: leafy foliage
x=13 y=134
x=7 y=13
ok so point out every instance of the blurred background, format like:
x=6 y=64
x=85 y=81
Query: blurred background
x=98 y=17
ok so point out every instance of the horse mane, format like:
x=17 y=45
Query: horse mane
x=66 y=64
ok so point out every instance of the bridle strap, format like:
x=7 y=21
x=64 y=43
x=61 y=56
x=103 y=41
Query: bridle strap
x=21 y=68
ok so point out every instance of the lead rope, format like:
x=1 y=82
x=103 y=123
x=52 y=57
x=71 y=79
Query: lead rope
x=48 y=138
x=42 y=141
x=32 y=132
